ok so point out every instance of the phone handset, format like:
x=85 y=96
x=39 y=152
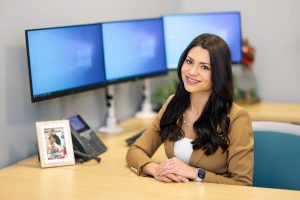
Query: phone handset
x=86 y=156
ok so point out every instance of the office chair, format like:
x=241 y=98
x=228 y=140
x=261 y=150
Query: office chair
x=276 y=155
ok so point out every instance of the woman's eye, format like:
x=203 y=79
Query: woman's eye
x=205 y=67
x=188 y=61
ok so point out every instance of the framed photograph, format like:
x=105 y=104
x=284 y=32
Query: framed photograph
x=55 y=143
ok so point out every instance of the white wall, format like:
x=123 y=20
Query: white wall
x=273 y=28
x=18 y=114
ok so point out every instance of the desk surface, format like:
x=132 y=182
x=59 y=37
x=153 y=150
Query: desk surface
x=111 y=179
x=267 y=111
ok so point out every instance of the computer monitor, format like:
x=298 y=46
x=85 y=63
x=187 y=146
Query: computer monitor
x=64 y=60
x=181 y=29
x=133 y=49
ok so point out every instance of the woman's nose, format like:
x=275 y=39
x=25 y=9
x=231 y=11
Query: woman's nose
x=193 y=70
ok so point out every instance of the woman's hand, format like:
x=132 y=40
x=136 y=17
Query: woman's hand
x=171 y=178
x=151 y=169
x=176 y=167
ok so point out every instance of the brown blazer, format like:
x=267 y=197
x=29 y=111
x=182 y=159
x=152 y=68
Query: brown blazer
x=234 y=166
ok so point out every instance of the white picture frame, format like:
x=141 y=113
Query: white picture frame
x=55 y=143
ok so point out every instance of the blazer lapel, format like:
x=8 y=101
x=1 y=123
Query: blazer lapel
x=169 y=148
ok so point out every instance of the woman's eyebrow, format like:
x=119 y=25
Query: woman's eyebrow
x=190 y=57
x=204 y=63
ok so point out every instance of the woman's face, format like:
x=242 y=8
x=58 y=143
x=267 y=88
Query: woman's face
x=196 y=71
x=51 y=140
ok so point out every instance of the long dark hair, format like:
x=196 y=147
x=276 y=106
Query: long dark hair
x=212 y=126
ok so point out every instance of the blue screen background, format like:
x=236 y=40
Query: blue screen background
x=180 y=30
x=65 y=58
x=133 y=48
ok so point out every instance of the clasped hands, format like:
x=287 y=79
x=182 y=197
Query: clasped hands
x=174 y=170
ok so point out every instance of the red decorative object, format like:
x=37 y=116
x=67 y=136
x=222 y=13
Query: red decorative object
x=248 y=53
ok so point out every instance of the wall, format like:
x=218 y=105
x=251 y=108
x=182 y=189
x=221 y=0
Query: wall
x=273 y=28
x=270 y=25
x=18 y=114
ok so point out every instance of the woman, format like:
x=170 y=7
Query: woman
x=54 y=150
x=206 y=136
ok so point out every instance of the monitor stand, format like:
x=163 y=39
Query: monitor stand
x=111 y=121
x=146 y=111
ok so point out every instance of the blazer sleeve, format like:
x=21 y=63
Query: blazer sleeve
x=141 y=151
x=240 y=152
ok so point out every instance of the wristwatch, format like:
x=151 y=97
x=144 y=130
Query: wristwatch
x=200 y=175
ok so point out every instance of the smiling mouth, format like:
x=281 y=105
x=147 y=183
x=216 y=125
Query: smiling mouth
x=191 y=81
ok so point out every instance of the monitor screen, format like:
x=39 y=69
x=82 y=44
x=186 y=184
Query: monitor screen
x=64 y=60
x=181 y=29
x=133 y=49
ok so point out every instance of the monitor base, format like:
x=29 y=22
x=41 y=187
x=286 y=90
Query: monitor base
x=111 y=126
x=146 y=111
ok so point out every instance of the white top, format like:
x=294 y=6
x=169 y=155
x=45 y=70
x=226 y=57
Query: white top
x=183 y=149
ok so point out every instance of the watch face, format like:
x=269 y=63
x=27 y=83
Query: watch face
x=201 y=173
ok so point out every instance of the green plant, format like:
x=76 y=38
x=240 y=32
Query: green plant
x=162 y=92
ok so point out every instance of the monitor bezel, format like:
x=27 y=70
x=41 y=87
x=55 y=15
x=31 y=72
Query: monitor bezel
x=213 y=13
x=69 y=91
x=141 y=76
